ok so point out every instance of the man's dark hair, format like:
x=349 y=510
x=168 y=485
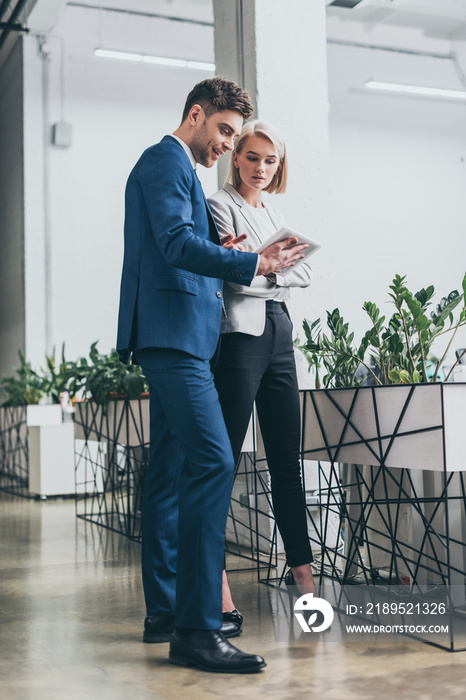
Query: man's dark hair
x=217 y=94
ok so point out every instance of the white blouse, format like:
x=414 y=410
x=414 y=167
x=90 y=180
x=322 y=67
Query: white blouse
x=245 y=306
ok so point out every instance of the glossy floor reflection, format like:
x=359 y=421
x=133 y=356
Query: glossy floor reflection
x=71 y=612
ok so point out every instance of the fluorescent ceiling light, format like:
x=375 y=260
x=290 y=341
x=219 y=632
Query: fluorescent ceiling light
x=160 y=60
x=118 y=54
x=416 y=90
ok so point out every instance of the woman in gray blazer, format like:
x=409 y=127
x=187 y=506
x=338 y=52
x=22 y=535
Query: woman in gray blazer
x=256 y=361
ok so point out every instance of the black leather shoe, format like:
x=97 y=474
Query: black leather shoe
x=232 y=622
x=210 y=651
x=159 y=628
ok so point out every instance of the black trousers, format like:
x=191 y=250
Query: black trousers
x=263 y=369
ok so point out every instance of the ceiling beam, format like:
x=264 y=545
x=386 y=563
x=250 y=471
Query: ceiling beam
x=13 y=27
x=18 y=8
x=4 y=7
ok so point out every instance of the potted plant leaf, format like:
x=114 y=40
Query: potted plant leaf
x=379 y=403
x=110 y=384
x=393 y=362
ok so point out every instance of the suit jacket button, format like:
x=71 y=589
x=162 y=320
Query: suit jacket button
x=219 y=294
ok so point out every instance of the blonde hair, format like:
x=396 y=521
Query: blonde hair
x=267 y=131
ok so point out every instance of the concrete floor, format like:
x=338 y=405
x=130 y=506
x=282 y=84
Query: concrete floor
x=71 y=613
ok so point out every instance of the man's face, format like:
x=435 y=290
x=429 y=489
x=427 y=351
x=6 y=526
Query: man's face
x=213 y=136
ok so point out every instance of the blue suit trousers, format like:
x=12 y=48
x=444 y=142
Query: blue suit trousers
x=187 y=490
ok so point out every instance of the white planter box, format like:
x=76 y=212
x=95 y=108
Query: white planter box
x=417 y=426
x=47 y=414
x=113 y=422
x=51 y=459
x=39 y=460
x=416 y=433
x=131 y=428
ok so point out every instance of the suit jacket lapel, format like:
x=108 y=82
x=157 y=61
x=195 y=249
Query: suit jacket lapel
x=212 y=224
x=238 y=200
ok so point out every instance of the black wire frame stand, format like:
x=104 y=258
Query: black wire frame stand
x=376 y=501
x=251 y=528
x=369 y=501
x=14 y=451
x=321 y=528
x=112 y=450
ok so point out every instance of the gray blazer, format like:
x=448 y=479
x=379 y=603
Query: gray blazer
x=245 y=306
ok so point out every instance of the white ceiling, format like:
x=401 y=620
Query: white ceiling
x=442 y=19
x=437 y=18
x=432 y=15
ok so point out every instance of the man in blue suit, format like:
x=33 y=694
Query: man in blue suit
x=171 y=306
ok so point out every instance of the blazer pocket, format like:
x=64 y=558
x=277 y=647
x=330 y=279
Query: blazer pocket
x=178 y=282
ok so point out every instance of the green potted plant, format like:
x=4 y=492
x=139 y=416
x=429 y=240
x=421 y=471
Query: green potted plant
x=379 y=403
x=112 y=388
x=369 y=424
x=24 y=388
x=399 y=347
x=106 y=378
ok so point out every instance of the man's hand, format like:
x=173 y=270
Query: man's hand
x=279 y=255
x=231 y=243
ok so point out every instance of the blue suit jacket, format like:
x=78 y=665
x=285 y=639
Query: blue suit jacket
x=173 y=266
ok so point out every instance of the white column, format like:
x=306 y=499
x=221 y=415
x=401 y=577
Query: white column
x=277 y=51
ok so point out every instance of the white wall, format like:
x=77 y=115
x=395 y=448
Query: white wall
x=397 y=177
x=397 y=169
x=117 y=109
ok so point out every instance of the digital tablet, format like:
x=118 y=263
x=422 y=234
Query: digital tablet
x=284 y=233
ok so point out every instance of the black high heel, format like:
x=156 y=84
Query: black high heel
x=291 y=587
x=232 y=622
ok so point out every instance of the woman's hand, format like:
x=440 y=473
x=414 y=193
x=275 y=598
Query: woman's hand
x=231 y=243
x=279 y=255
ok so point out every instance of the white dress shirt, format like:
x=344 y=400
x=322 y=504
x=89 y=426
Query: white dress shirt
x=186 y=149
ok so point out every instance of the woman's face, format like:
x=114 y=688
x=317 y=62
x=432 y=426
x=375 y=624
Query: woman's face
x=257 y=163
